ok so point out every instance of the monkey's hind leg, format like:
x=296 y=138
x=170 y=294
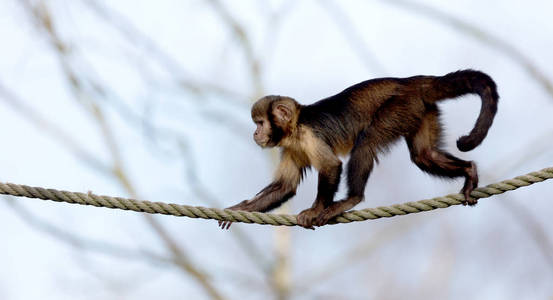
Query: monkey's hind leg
x=426 y=154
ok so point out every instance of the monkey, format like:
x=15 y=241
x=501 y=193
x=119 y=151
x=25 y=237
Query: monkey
x=364 y=120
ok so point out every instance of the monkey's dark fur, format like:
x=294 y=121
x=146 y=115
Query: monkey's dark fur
x=363 y=120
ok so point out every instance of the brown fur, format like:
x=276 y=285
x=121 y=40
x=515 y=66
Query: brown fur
x=364 y=120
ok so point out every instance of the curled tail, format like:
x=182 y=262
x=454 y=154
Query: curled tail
x=469 y=82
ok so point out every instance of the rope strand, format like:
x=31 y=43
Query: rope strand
x=265 y=218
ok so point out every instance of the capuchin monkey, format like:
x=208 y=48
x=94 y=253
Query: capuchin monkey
x=362 y=121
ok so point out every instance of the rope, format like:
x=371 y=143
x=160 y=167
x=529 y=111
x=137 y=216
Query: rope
x=264 y=218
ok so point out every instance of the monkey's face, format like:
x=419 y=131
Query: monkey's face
x=273 y=116
x=263 y=132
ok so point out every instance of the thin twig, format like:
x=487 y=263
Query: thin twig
x=43 y=19
x=76 y=241
x=240 y=33
x=481 y=35
x=50 y=128
x=531 y=225
x=353 y=36
x=135 y=36
x=355 y=254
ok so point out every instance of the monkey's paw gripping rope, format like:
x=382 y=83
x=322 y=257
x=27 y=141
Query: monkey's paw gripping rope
x=263 y=218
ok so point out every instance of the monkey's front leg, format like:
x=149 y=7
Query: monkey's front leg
x=359 y=167
x=329 y=179
x=272 y=196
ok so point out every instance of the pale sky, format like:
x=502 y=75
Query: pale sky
x=482 y=252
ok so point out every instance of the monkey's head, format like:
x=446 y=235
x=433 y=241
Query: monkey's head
x=276 y=117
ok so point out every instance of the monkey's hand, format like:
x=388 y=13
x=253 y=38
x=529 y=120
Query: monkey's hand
x=334 y=210
x=326 y=215
x=239 y=206
x=307 y=217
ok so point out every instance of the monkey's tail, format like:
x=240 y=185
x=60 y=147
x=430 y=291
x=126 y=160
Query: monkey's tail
x=470 y=82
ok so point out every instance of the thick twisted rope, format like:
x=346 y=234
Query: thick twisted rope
x=263 y=218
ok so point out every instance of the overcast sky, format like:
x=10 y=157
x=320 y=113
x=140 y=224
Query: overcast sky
x=311 y=51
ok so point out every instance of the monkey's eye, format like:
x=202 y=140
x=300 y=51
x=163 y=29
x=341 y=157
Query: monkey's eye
x=259 y=123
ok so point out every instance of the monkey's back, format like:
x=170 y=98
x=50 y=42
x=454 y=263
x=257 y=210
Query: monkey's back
x=340 y=118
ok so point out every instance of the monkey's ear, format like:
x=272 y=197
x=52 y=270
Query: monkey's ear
x=283 y=113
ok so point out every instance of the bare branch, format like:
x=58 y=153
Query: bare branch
x=441 y=264
x=43 y=19
x=522 y=214
x=240 y=33
x=48 y=127
x=541 y=145
x=203 y=193
x=136 y=37
x=274 y=24
x=481 y=35
x=179 y=257
x=79 y=242
x=356 y=253
x=531 y=225
x=355 y=39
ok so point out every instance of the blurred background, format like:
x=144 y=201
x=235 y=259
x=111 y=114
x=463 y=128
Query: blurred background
x=151 y=99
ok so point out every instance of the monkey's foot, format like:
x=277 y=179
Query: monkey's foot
x=471 y=182
x=469 y=200
x=308 y=216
